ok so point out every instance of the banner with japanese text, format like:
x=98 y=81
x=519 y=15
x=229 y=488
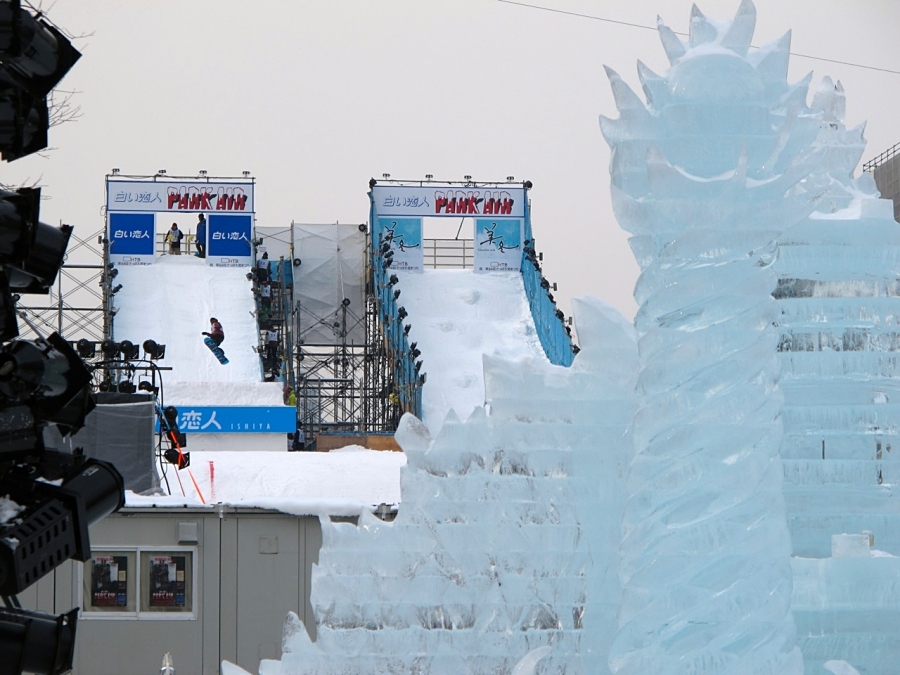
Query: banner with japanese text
x=404 y=236
x=448 y=201
x=173 y=196
x=236 y=419
x=498 y=245
x=229 y=241
x=131 y=238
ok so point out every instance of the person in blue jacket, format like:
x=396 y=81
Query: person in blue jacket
x=201 y=236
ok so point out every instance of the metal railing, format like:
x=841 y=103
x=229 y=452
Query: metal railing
x=875 y=162
x=448 y=253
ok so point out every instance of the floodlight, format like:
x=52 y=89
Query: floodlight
x=154 y=350
x=402 y=313
x=396 y=294
x=109 y=348
x=115 y=172
x=418 y=366
x=385 y=247
x=510 y=178
x=428 y=176
x=127 y=387
x=116 y=289
x=385 y=175
x=246 y=174
x=86 y=349
x=415 y=353
x=345 y=302
x=34 y=642
x=392 y=280
x=129 y=350
x=527 y=185
x=406 y=329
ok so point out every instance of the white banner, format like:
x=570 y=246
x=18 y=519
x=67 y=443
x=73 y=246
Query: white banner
x=153 y=196
x=438 y=201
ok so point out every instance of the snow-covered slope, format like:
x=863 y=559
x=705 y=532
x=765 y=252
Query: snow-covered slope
x=456 y=317
x=172 y=301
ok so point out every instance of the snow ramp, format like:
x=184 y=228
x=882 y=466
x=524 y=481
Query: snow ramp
x=172 y=301
x=456 y=317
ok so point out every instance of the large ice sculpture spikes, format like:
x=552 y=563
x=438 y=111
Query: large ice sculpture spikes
x=705 y=176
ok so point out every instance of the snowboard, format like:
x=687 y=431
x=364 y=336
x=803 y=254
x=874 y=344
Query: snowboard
x=215 y=350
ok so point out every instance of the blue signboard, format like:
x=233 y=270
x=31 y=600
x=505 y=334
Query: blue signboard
x=235 y=419
x=498 y=245
x=229 y=240
x=131 y=237
x=404 y=236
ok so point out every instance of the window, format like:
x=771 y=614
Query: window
x=140 y=583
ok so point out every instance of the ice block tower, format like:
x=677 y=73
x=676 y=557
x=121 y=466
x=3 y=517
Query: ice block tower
x=706 y=174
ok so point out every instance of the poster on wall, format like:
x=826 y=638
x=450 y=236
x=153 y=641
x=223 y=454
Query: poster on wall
x=131 y=238
x=167 y=581
x=109 y=581
x=498 y=245
x=229 y=240
x=404 y=236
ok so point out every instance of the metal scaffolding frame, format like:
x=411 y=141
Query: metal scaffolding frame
x=69 y=308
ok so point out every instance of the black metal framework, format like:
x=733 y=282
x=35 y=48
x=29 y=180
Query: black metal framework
x=69 y=309
x=345 y=387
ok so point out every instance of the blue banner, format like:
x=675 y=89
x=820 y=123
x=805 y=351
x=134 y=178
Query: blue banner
x=131 y=237
x=235 y=419
x=229 y=240
x=498 y=245
x=404 y=236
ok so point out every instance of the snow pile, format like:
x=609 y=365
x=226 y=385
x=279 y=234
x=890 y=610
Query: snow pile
x=225 y=393
x=456 y=318
x=172 y=301
x=340 y=482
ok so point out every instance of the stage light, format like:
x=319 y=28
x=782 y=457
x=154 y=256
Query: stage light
x=415 y=353
x=560 y=315
x=47 y=376
x=129 y=350
x=362 y=227
x=413 y=345
x=203 y=173
x=34 y=642
x=385 y=175
x=250 y=276
x=545 y=284
x=527 y=185
x=575 y=349
x=422 y=378
x=372 y=183
x=161 y=172
x=418 y=366
x=109 y=348
x=510 y=178
x=116 y=289
x=246 y=174
x=127 y=387
x=392 y=280
x=86 y=349
x=35 y=57
x=154 y=350
x=428 y=176
x=396 y=294
x=402 y=313
x=297 y=262
x=468 y=178
x=385 y=247
x=54 y=525
x=406 y=329
x=115 y=172
x=181 y=460
x=345 y=302
x=144 y=385
x=113 y=273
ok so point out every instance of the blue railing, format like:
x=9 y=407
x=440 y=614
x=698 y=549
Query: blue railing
x=406 y=368
x=549 y=320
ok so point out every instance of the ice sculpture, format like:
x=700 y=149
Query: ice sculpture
x=706 y=176
x=507 y=534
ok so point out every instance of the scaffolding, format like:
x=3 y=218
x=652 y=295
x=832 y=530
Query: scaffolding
x=74 y=308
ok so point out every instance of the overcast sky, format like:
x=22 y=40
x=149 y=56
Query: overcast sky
x=314 y=98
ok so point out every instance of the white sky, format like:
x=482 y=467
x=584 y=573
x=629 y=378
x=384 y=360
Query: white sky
x=314 y=98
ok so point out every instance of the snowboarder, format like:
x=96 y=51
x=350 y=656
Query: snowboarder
x=174 y=236
x=200 y=238
x=216 y=333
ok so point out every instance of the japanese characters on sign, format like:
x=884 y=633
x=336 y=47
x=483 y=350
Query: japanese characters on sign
x=229 y=240
x=498 y=245
x=236 y=419
x=131 y=238
x=404 y=236
x=448 y=201
x=171 y=196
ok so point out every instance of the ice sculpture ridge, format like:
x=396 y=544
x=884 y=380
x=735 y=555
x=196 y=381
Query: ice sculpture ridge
x=706 y=186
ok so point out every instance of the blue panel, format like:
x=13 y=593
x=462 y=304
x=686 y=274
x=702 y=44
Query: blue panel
x=235 y=419
x=230 y=235
x=131 y=233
